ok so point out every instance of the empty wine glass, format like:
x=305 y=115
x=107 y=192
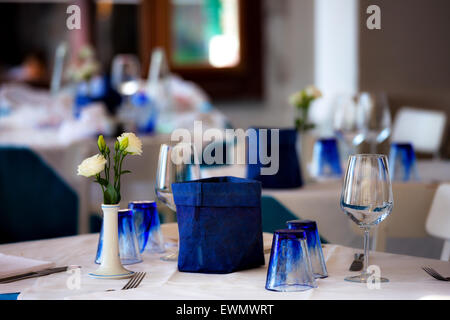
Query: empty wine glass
x=125 y=79
x=345 y=123
x=125 y=74
x=373 y=118
x=175 y=164
x=367 y=198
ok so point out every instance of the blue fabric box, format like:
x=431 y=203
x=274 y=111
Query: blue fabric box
x=219 y=222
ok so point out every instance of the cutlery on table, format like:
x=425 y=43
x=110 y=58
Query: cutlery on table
x=357 y=263
x=35 y=274
x=435 y=274
x=134 y=281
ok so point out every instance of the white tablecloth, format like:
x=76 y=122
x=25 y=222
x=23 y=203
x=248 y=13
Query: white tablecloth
x=163 y=281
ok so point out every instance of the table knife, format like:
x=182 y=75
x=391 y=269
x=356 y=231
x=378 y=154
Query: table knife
x=32 y=274
x=357 y=263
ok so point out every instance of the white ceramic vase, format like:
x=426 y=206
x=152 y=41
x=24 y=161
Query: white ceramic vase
x=111 y=266
x=305 y=146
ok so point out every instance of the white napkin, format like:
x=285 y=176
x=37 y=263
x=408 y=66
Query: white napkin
x=12 y=265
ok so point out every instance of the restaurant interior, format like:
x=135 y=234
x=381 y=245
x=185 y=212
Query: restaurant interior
x=337 y=86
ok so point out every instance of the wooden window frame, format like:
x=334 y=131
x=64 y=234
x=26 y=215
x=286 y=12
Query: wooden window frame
x=242 y=81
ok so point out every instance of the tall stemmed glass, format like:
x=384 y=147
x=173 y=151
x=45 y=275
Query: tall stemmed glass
x=125 y=79
x=367 y=198
x=345 y=123
x=374 y=118
x=125 y=74
x=175 y=164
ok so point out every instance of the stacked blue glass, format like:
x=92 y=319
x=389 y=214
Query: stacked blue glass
x=290 y=265
x=128 y=244
x=314 y=245
x=148 y=228
x=402 y=162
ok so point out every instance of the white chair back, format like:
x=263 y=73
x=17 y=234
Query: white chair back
x=423 y=128
x=438 y=221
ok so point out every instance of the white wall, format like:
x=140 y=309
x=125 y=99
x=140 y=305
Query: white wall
x=288 y=64
x=336 y=46
x=305 y=42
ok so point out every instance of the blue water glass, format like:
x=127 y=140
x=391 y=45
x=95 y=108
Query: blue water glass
x=326 y=161
x=402 y=162
x=148 y=230
x=290 y=265
x=314 y=245
x=128 y=244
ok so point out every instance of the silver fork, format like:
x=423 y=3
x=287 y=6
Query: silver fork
x=435 y=274
x=134 y=281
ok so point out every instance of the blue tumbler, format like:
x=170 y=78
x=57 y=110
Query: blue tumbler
x=402 y=162
x=290 y=265
x=148 y=230
x=326 y=162
x=313 y=244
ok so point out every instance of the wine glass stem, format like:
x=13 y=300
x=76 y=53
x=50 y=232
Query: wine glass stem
x=366 y=249
x=373 y=146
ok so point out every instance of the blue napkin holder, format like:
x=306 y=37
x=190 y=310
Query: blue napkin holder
x=219 y=224
x=289 y=173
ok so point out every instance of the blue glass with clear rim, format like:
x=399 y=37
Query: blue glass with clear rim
x=147 y=224
x=128 y=243
x=290 y=265
x=402 y=156
x=326 y=158
x=314 y=245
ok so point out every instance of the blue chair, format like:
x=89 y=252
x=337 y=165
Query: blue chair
x=275 y=215
x=36 y=202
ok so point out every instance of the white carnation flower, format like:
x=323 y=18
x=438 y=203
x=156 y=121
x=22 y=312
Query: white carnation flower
x=295 y=98
x=313 y=92
x=92 y=166
x=134 y=143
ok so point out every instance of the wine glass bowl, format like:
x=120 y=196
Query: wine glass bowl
x=125 y=74
x=367 y=197
x=175 y=164
x=373 y=118
x=165 y=176
x=345 y=121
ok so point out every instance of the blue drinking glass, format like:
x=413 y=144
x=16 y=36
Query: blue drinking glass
x=290 y=265
x=402 y=162
x=148 y=230
x=314 y=245
x=128 y=244
x=326 y=162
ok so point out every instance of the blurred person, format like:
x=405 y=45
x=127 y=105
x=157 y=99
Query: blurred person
x=33 y=70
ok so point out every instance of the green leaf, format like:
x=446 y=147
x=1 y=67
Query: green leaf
x=111 y=195
x=125 y=171
x=102 y=181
